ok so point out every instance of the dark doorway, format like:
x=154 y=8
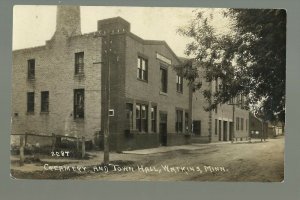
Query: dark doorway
x=197 y=127
x=220 y=130
x=224 y=131
x=230 y=130
x=163 y=118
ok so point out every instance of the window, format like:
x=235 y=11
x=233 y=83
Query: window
x=142 y=69
x=142 y=117
x=153 y=119
x=164 y=79
x=79 y=63
x=186 y=122
x=242 y=102
x=45 y=101
x=179 y=83
x=30 y=102
x=179 y=118
x=31 y=69
x=138 y=116
x=78 y=103
x=237 y=123
x=242 y=123
x=216 y=127
x=197 y=127
x=129 y=115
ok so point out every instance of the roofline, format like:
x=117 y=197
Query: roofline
x=30 y=49
x=153 y=42
x=99 y=33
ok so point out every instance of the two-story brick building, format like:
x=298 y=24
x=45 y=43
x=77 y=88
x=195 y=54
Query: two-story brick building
x=62 y=87
x=65 y=87
x=150 y=101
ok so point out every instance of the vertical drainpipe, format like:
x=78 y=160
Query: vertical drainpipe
x=210 y=115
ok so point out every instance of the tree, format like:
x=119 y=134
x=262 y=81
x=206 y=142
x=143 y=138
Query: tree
x=249 y=59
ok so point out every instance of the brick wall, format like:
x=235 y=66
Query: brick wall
x=54 y=72
x=150 y=91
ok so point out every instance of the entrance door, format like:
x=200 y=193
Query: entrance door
x=224 y=131
x=163 y=128
x=230 y=130
x=220 y=130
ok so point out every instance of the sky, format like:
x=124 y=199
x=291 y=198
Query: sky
x=33 y=25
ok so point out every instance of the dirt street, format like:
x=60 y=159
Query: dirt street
x=252 y=162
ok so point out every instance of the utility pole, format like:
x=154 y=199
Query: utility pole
x=106 y=129
x=233 y=117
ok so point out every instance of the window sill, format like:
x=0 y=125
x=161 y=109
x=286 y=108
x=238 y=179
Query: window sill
x=32 y=79
x=137 y=132
x=145 y=81
x=79 y=76
x=78 y=120
x=163 y=93
x=30 y=113
x=44 y=112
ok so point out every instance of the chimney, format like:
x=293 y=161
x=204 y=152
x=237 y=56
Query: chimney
x=67 y=21
x=115 y=24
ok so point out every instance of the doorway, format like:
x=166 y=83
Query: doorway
x=220 y=130
x=225 y=131
x=163 y=118
x=230 y=131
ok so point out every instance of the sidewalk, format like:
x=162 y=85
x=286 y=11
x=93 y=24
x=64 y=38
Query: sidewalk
x=193 y=146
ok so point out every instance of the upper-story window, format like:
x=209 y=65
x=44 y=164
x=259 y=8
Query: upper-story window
x=79 y=63
x=45 y=101
x=142 y=68
x=163 y=79
x=31 y=68
x=179 y=83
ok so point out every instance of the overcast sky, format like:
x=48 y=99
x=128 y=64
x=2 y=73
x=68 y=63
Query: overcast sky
x=33 y=25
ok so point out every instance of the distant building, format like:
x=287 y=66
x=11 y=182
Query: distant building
x=63 y=87
x=269 y=130
x=224 y=123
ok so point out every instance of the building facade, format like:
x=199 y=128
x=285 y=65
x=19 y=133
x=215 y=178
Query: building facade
x=149 y=99
x=48 y=82
x=226 y=122
x=82 y=84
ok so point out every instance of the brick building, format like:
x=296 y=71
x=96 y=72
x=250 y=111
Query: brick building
x=217 y=125
x=65 y=86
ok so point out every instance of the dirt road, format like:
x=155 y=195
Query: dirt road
x=254 y=162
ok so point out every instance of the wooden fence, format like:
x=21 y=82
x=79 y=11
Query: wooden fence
x=53 y=138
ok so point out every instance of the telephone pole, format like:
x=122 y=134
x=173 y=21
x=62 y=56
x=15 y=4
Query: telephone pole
x=106 y=127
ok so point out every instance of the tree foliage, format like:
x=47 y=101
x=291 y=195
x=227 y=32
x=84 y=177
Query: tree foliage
x=249 y=60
